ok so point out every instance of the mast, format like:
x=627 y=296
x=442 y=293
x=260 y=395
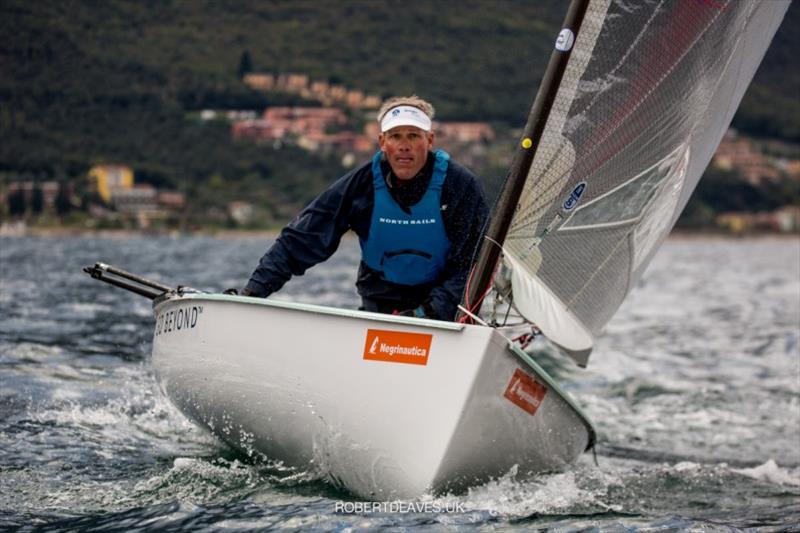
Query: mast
x=484 y=267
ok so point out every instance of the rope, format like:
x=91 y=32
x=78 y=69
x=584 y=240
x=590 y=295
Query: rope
x=470 y=308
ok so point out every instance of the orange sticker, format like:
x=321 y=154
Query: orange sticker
x=525 y=392
x=397 y=346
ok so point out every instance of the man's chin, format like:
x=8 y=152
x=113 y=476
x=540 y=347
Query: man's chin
x=404 y=172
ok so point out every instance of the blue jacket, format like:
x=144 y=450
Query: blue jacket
x=314 y=235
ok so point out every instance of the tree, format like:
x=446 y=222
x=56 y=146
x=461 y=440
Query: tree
x=63 y=202
x=37 y=199
x=16 y=203
x=245 y=64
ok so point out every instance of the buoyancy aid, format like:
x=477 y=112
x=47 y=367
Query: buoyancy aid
x=407 y=248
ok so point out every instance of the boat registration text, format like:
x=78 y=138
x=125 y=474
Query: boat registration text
x=178 y=319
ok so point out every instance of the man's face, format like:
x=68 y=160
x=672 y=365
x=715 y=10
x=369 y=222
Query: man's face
x=406 y=149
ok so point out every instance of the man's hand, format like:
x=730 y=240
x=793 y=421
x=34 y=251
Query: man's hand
x=417 y=312
x=421 y=311
x=243 y=292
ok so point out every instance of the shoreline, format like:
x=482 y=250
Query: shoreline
x=130 y=233
x=708 y=234
x=27 y=231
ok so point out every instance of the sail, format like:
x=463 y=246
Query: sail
x=649 y=91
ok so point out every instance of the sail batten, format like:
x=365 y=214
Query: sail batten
x=648 y=92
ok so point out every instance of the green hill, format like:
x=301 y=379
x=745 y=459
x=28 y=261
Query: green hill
x=90 y=81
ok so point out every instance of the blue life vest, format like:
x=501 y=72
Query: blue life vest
x=408 y=249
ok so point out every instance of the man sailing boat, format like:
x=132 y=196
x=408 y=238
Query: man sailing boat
x=418 y=215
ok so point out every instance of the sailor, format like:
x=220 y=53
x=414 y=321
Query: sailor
x=418 y=215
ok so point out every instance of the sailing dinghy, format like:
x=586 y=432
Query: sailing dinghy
x=634 y=101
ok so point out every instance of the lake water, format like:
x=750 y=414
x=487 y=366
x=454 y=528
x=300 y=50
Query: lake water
x=694 y=389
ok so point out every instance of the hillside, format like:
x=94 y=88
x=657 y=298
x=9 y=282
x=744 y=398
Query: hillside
x=84 y=82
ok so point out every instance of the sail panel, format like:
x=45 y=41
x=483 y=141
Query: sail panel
x=649 y=91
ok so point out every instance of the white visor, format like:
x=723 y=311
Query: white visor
x=405 y=115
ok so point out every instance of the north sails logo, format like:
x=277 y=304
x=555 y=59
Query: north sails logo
x=407 y=110
x=413 y=221
x=397 y=346
x=574 y=196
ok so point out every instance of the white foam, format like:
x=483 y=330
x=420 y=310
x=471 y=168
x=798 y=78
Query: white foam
x=511 y=497
x=772 y=473
x=197 y=479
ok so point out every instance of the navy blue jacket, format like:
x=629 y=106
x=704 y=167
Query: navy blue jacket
x=314 y=235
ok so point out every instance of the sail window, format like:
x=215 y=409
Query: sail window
x=625 y=203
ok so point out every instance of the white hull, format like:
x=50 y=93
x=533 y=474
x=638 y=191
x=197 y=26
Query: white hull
x=312 y=387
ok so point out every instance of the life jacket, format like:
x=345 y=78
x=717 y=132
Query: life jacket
x=407 y=248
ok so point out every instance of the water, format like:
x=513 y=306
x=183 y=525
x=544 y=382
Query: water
x=695 y=391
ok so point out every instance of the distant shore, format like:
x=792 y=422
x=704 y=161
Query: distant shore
x=10 y=230
x=67 y=231
x=710 y=234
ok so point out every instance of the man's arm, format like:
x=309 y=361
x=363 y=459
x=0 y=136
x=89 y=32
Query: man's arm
x=464 y=218
x=311 y=238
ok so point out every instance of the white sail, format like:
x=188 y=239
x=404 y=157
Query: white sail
x=649 y=90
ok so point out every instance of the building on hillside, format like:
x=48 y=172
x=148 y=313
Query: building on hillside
x=372 y=101
x=344 y=141
x=301 y=120
x=260 y=81
x=49 y=191
x=289 y=82
x=144 y=204
x=107 y=178
x=138 y=203
x=230 y=115
x=733 y=222
x=372 y=129
x=791 y=168
x=295 y=83
x=464 y=132
x=137 y=199
x=240 y=114
x=171 y=200
x=355 y=99
x=278 y=122
x=324 y=129
x=783 y=220
x=141 y=202
x=788 y=218
x=320 y=90
x=242 y=213
x=338 y=93
x=740 y=155
x=257 y=130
